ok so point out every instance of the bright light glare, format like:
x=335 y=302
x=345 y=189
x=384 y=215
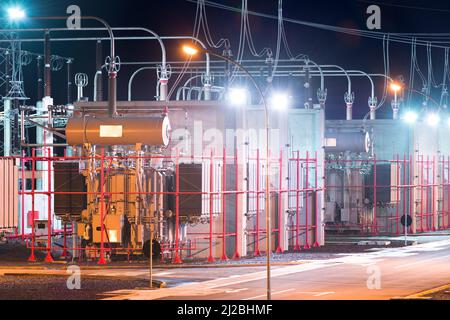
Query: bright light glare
x=410 y=117
x=16 y=13
x=237 y=97
x=395 y=87
x=190 y=50
x=433 y=119
x=279 y=101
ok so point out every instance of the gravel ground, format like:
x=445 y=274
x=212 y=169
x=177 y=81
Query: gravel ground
x=29 y=287
x=15 y=254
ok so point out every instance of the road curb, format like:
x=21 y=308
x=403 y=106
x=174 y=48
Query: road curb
x=423 y=294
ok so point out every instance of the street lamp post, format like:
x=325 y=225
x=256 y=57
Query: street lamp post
x=395 y=104
x=191 y=50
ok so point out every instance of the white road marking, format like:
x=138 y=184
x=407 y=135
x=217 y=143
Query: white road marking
x=321 y=294
x=223 y=282
x=206 y=288
x=158 y=274
x=420 y=262
x=316 y=294
x=236 y=291
x=273 y=293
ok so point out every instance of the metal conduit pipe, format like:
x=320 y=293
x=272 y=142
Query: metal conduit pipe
x=349 y=96
x=98 y=76
x=185 y=87
x=181 y=90
x=130 y=82
x=197 y=89
x=155 y=36
x=112 y=70
x=47 y=66
x=164 y=74
x=213 y=89
x=351 y=73
x=322 y=92
x=69 y=81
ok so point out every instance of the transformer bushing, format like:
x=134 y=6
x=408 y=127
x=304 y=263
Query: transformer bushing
x=322 y=97
x=207 y=85
x=113 y=69
x=163 y=76
x=349 y=99
x=81 y=81
x=373 y=101
x=395 y=109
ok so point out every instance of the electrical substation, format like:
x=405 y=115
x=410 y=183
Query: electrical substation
x=205 y=168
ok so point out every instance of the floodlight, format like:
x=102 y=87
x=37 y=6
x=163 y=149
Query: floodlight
x=433 y=119
x=16 y=13
x=237 y=96
x=410 y=117
x=279 y=101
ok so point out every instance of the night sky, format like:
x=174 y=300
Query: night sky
x=176 y=17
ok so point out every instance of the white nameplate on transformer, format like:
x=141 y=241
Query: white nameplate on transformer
x=111 y=131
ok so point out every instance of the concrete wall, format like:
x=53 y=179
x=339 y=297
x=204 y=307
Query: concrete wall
x=198 y=129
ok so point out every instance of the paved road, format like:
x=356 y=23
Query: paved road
x=380 y=274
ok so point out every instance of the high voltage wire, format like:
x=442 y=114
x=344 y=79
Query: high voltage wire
x=405 y=38
x=412 y=39
x=404 y=6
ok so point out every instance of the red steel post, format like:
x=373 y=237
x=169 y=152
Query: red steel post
x=257 y=253
x=102 y=259
x=316 y=184
x=32 y=258
x=177 y=257
x=280 y=200
x=224 y=206
x=397 y=208
x=448 y=193
x=374 y=221
x=412 y=188
x=421 y=181
x=211 y=207
x=49 y=257
x=297 y=216
x=427 y=210
x=24 y=182
x=433 y=194
x=443 y=193
x=64 y=254
x=404 y=183
x=236 y=250
x=307 y=246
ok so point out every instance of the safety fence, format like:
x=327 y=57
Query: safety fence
x=375 y=196
x=213 y=206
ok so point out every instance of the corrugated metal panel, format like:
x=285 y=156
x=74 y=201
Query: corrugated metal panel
x=8 y=194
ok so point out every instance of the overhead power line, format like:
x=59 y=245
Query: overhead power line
x=405 y=38
x=405 y=6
